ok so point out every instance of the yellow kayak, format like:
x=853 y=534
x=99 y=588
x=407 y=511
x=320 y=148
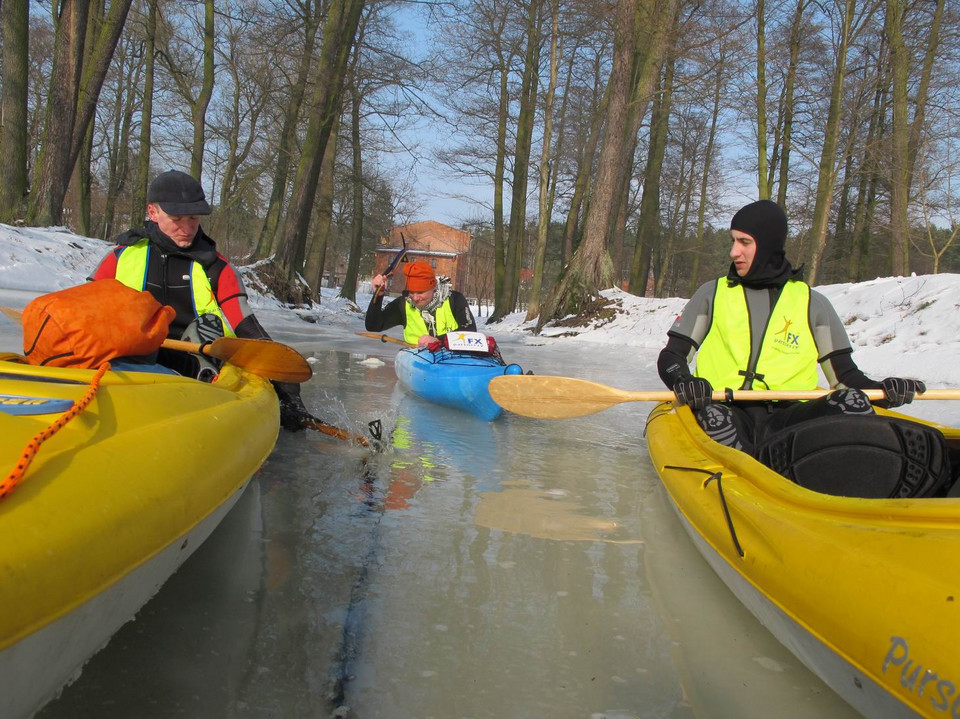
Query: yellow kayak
x=112 y=504
x=864 y=592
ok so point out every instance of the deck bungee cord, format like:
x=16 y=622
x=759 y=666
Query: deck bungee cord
x=718 y=476
x=33 y=446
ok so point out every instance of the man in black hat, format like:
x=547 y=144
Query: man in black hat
x=762 y=327
x=172 y=258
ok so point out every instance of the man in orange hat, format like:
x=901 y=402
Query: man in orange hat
x=427 y=310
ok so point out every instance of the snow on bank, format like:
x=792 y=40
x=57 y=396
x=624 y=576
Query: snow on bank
x=899 y=326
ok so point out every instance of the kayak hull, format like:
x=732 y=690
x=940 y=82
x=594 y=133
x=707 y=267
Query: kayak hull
x=111 y=506
x=453 y=379
x=860 y=590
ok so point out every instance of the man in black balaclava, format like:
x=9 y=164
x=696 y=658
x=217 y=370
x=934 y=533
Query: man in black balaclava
x=762 y=327
x=765 y=223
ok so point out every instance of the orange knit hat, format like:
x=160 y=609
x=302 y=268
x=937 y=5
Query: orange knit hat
x=420 y=277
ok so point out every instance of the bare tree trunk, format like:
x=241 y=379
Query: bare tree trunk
x=762 y=181
x=829 y=165
x=922 y=94
x=246 y=110
x=81 y=168
x=198 y=109
x=546 y=188
x=339 y=32
x=76 y=83
x=561 y=135
x=788 y=102
x=842 y=245
x=507 y=299
x=81 y=181
x=681 y=213
x=900 y=140
x=13 y=108
x=584 y=172
x=648 y=226
x=53 y=170
x=499 y=173
x=678 y=225
x=349 y=288
x=618 y=231
x=96 y=64
x=119 y=161
x=707 y=166
x=869 y=171
x=316 y=254
x=281 y=171
x=138 y=204
x=630 y=85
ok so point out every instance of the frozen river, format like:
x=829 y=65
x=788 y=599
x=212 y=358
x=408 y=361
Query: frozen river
x=515 y=569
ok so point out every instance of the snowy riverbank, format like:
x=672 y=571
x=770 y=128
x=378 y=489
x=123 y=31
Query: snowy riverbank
x=903 y=325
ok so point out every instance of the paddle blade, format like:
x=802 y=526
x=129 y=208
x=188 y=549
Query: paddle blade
x=545 y=397
x=266 y=358
x=332 y=431
x=12 y=314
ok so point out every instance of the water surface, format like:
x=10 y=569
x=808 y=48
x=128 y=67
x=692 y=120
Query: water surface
x=515 y=569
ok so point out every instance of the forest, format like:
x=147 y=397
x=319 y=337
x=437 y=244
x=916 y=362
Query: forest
x=598 y=142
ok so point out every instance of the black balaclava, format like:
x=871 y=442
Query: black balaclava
x=766 y=223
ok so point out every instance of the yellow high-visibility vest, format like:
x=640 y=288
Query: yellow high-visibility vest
x=132 y=271
x=788 y=352
x=416 y=326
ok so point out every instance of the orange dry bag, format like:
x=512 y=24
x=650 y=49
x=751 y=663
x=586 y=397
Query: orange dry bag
x=93 y=323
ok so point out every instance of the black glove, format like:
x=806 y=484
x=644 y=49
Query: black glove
x=693 y=391
x=293 y=414
x=899 y=391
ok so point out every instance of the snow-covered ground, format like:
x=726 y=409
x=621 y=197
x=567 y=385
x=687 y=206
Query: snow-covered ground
x=906 y=326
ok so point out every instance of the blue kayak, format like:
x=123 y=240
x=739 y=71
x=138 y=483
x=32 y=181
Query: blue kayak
x=453 y=379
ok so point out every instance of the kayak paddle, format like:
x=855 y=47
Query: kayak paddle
x=266 y=358
x=391 y=268
x=385 y=338
x=333 y=431
x=545 y=397
x=12 y=314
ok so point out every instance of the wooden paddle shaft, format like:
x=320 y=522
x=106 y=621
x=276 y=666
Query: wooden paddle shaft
x=385 y=338
x=183 y=346
x=757 y=395
x=546 y=397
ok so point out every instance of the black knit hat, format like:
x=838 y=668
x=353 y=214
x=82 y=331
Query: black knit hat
x=766 y=223
x=178 y=193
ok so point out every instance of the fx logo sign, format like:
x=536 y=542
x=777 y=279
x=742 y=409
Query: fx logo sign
x=789 y=337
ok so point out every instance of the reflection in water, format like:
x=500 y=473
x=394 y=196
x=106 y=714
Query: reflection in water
x=511 y=569
x=482 y=605
x=545 y=515
x=185 y=653
x=729 y=665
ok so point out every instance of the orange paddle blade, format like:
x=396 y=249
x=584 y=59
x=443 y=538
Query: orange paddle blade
x=272 y=360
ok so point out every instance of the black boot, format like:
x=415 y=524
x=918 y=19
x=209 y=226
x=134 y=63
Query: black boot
x=718 y=422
